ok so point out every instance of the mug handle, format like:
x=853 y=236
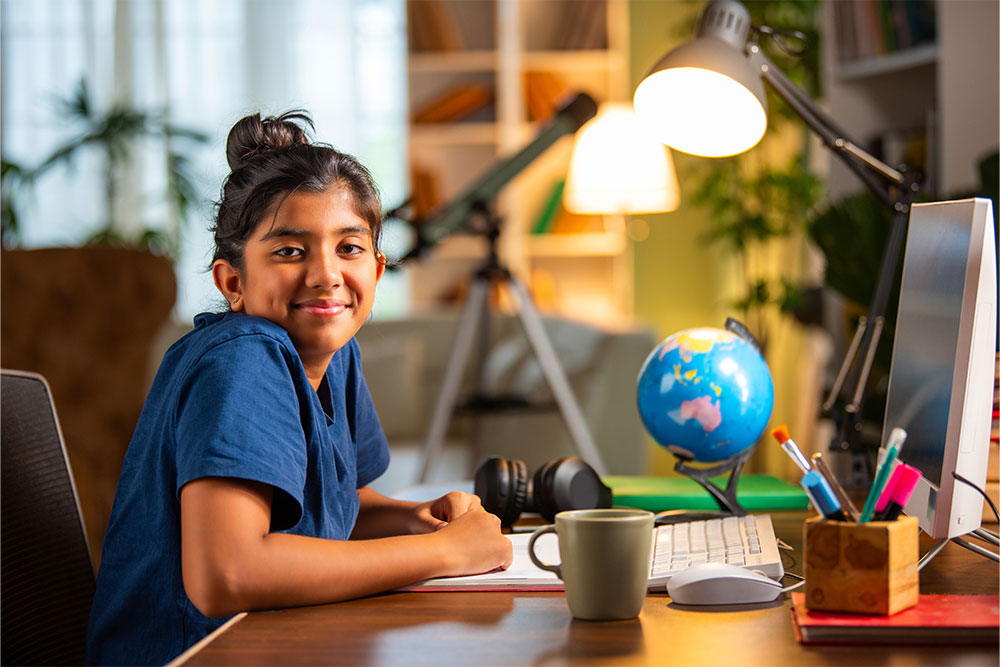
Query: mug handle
x=531 y=550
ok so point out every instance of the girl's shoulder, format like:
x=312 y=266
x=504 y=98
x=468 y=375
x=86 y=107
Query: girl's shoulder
x=233 y=335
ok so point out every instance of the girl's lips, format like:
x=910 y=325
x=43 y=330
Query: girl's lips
x=321 y=308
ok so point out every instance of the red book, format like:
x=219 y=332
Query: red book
x=936 y=619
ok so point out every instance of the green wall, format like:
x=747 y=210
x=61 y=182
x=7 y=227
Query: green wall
x=680 y=281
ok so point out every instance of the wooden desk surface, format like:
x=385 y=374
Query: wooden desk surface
x=503 y=628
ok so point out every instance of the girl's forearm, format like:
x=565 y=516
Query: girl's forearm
x=231 y=562
x=380 y=516
x=285 y=570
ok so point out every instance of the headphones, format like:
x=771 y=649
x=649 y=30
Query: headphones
x=561 y=484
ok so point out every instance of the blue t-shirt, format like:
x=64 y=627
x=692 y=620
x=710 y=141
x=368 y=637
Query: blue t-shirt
x=231 y=399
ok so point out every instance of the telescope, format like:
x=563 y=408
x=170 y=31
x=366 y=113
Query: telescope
x=454 y=215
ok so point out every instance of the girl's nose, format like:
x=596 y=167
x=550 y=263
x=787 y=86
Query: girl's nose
x=324 y=270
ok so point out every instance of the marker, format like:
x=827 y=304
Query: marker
x=890 y=487
x=845 y=502
x=781 y=435
x=896 y=439
x=908 y=478
x=822 y=496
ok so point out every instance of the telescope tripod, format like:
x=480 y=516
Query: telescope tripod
x=475 y=319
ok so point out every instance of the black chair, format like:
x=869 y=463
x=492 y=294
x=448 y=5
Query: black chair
x=46 y=576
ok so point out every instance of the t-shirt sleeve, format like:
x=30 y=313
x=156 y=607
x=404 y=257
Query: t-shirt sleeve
x=372 y=446
x=239 y=416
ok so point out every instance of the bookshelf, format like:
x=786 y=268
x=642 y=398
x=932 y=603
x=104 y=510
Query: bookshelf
x=524 y=54
x=937 y=96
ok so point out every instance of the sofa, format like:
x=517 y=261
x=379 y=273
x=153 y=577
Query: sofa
x=404 y=362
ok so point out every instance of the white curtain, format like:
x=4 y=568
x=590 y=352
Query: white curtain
x=206 y=64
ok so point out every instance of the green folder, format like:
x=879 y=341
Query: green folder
x=657 y=494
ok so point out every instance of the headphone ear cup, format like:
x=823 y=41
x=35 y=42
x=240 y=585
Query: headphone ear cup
x=502 y=487
x=543 y=500
x=569 y=484
x=519 y=497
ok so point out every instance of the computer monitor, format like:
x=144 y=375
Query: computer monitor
x=943 y=359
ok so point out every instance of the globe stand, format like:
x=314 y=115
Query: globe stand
x=726 y=499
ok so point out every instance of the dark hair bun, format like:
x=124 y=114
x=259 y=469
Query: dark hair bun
x=253 y=136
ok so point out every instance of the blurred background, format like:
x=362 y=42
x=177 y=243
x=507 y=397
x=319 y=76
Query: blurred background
x=113 y=124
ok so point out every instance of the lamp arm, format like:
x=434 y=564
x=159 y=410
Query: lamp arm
x=878 y=177
x=859 y=161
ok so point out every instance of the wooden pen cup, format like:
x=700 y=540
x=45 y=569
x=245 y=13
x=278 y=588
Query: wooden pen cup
x=865 y=568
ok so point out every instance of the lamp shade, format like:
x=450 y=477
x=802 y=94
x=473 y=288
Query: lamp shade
x=705 y=97
x=618 y=167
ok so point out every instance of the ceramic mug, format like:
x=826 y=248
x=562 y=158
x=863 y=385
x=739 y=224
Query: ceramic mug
x=605 y=556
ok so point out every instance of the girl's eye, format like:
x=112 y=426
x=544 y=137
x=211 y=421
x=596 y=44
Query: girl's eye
x=351 y=249
x=288 y=251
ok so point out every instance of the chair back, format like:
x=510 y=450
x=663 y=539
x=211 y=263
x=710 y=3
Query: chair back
x=46 y=576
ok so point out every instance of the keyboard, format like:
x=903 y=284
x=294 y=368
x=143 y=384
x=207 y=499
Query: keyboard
x=747 y=541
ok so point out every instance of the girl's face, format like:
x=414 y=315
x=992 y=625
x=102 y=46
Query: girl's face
x=313 y=272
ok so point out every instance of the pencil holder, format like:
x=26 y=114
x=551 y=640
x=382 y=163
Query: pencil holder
x=865 y=568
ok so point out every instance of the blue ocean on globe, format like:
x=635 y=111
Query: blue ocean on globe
x=705 y=394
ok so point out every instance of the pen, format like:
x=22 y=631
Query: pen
x=908 y=478
x=788 y=445
x=845 y=502
x=822 y=497
x=896 y=439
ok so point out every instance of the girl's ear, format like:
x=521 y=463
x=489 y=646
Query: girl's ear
x=380 y=260
x=228 y=281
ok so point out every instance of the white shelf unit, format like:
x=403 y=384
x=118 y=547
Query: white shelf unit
x=885 y=101
x=583 y=275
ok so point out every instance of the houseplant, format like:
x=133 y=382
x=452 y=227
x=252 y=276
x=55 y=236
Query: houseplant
x=86 y=317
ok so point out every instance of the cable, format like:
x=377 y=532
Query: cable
x=934 y=551
x=981 y=492
x=793 y=586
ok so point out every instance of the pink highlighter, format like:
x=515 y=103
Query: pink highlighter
x=897 y=491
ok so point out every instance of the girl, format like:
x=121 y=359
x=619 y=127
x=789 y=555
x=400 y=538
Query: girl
x=244 y=486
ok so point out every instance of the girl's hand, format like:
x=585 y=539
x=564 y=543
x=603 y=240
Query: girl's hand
x=436 y=514
x=474 y=544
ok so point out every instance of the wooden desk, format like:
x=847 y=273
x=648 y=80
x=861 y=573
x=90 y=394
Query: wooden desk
x=536 y=629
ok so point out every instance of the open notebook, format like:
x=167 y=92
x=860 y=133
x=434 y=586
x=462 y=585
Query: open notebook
x=748 y=541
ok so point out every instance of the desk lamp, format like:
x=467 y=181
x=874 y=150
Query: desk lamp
x=706 y=97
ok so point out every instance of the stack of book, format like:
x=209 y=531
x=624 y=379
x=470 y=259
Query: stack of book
x=993 y=471
x=432 y=27
x=585 y=25
x=871 y=28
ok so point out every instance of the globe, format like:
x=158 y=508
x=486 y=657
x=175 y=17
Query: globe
x=705 y=394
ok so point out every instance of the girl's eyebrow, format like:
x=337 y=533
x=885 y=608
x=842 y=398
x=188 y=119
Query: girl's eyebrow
x=276 y=232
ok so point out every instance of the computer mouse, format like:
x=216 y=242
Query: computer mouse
x=721 y=583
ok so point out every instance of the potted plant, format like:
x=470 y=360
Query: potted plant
x=86 y=317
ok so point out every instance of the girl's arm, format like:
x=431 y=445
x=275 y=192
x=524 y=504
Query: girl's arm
x=382 y=517
x=231 y=563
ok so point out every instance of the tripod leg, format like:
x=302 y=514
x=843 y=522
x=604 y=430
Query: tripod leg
x=444 y=406
x=556 y=378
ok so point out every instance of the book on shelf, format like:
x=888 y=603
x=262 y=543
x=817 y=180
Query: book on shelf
x=432 y=27
x=550 y=210
x=424 y=193
x=456 y=104
x=543 y=92
x=871 y=28
x=936 y=619
x=584 y=25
